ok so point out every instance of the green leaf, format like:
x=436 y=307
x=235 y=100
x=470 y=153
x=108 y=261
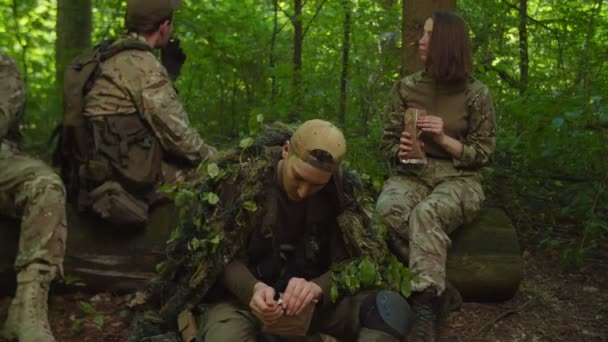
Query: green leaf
x=216 y=239
x=333 y=293
x=184 y=197
x=98 y=319
x=69 y=279
x=195 y=244
x=367 y=273
x=250 y=206
x=260 y=118
x=76 y=325
x=212 y=198
x=558 y=122
x=87 y=308
x=245 y=143
x=213 y=170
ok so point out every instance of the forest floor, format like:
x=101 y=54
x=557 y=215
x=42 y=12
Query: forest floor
x=551 y=305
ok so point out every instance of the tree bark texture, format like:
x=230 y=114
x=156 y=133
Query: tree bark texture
x=345 y=61
x=298 y=38
x=74 y=26
x=523 y=47
x=484 y=262
x=415 y=13
x=273 y=40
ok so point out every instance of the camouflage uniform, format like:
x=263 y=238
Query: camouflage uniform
x=29 y=189
x=32 y=192
x=423 y=204
x=318 y=239
x=133 y=83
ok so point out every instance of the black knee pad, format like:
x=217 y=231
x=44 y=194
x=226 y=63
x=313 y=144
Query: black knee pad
x=386 y=311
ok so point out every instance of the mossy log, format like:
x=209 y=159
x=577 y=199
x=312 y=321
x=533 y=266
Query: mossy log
x=484 y=262
x=99 y=255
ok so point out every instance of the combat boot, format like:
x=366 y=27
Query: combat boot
x=428 y=315
x=27 y=316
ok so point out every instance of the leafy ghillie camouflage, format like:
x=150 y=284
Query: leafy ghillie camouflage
x=212 y=232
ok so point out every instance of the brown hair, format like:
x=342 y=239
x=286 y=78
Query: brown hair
x=450 y=57
x=150 y=27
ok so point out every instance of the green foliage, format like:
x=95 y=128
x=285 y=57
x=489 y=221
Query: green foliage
x=553 y=138
x=71 y=280
x=352 y=276
x=88 y=314
x=239 y=73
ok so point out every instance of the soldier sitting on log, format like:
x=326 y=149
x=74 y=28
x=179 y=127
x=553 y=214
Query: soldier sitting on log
x=423 y=203
x=32 y=192
x=124 y=131
x=278 y=238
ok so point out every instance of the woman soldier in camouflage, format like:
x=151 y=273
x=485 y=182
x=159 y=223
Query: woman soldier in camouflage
x=423 y=203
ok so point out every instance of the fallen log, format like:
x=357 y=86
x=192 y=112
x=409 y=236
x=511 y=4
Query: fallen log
x=99 y=256
x=484 y=262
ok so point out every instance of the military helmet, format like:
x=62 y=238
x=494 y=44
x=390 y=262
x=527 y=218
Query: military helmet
x=143 y=13
x=319 y=135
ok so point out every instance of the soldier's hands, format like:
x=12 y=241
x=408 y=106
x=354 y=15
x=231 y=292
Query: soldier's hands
x=406 y=145
x=299 y=294
x=263 y=305
x=433 y=125
x=173 y=57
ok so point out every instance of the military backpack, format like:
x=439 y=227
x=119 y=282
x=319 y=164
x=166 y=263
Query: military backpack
x=80 y=139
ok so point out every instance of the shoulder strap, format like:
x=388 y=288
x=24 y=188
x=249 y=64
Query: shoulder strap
x=116 y=46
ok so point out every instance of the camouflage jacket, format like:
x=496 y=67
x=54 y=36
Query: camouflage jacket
x=213 y=232
x=134 y=81
x=466 y=110
x=12 y=100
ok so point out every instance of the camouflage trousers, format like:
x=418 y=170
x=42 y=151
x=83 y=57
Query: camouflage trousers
x=229 y=321
x=421 y=207
x=32 y=192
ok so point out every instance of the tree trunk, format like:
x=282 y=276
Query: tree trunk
x=484 y=262
x=298 y=38
x=74 y=25
x=271 y=61
x=584 y=65
x=523 y=46
x=415 y=13
x=345 y=59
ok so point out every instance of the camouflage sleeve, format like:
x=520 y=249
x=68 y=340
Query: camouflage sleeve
x=480 y=140
x=12 y=94
x=169 y=119
x=393 y=122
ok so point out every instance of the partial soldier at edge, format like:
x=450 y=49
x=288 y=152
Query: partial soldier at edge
x=32 y=192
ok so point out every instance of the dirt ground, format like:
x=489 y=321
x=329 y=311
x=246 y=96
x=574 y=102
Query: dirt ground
x=551 y=305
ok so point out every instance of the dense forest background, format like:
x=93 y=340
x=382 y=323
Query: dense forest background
x=254 y=60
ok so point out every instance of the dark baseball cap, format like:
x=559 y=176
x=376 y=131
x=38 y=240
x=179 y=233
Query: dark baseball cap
x=146 y=12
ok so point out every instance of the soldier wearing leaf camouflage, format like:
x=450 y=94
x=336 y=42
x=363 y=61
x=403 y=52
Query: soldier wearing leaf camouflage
x=423 y=204
x=140 y=134
x=33 y=193
x=286 y=222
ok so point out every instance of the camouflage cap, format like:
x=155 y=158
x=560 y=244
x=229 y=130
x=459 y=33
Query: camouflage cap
x=146 y=12
x=319 y=135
